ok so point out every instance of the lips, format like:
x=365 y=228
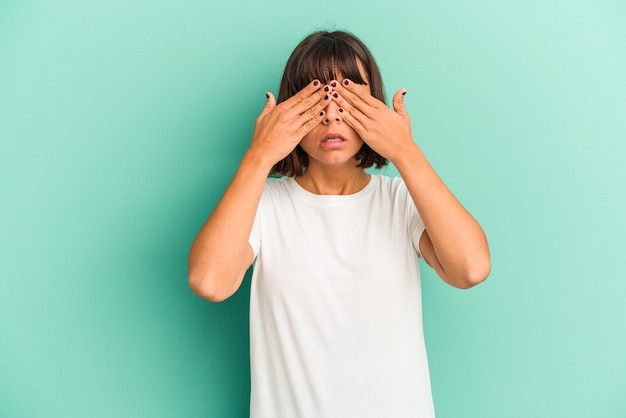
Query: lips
x=333 y=137
x=333 y=141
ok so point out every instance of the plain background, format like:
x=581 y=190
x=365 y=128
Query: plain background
x=122 y=122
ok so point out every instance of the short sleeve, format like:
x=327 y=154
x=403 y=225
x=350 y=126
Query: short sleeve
x=415 y=223
x=255 y=235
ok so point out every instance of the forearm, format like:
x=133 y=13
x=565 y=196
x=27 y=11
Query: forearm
x=220 y=254
x=458 y=240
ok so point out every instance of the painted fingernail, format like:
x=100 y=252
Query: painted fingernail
x=326 y=89
x=346 y=82
x=335 y=95
x=316 y=83
x=326 y=97
x=333 y=84
x=341 y=110
x=322 y=113
x=404 y=92
x=267 y=95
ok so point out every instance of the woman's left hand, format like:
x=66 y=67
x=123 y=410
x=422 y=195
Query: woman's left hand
x=386 y=131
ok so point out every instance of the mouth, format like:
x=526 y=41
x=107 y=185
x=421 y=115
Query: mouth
x=333 y=137
x=333 y=141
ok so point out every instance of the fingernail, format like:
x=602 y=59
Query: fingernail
x=322 y=113
x=404 y=92
x=341 y=110
x=335 y=95
x=326 y=89
x=326 y=97
x=346 y=82
x=333 y=84
x=316 y=83
x=267 y=95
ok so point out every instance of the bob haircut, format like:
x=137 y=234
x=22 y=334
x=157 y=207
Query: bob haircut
x=325 y=55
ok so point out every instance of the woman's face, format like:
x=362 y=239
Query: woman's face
x=333 y=142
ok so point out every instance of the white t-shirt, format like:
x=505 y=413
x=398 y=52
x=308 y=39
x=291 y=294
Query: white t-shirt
x=335 y=304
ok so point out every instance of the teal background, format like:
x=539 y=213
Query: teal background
x=122 y=122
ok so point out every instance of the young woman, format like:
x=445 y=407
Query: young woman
x=335 y=304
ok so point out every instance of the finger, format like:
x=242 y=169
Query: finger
x=312 y=116
x=306 y=97
x=270 y=103
x=314 y=110
x=398 y=102
x=358 y=95
x=366 y=104
x=308 y=123
x=347 y=108
x=361 y=90
x=352 y=121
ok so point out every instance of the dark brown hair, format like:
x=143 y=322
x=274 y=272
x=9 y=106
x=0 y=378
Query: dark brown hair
x=323 y=55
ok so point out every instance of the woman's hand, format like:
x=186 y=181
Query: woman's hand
x=221 y=254
x=386 y=131
x=280 y=128
x=454 y=244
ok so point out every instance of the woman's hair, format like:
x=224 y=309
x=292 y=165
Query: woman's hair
x=325 y=55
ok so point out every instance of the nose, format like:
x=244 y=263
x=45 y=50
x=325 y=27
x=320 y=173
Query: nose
x=332 y=113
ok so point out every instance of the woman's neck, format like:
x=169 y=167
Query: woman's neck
x=335 y=181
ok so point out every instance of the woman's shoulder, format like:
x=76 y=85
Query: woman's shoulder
x=276 y=181
x=277 y=186
x=389 y=184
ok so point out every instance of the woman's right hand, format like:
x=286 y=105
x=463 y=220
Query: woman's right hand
x=280 y=128
x=220 y=254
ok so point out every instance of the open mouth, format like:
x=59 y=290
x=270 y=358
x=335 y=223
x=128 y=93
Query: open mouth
x=333 y=137
x=333 y=140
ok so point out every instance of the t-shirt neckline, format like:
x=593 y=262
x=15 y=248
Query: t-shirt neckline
x=332 y=198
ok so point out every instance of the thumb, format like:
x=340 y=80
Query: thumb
x=270 y=103
x=398 y=102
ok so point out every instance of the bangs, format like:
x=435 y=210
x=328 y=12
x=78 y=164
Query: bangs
x=327 y=57
x=327 y=61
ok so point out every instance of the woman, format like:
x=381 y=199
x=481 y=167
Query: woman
x=335 y=305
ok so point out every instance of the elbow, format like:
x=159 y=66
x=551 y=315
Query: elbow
x=215 y=280
x=473 y=275
x=206 y=287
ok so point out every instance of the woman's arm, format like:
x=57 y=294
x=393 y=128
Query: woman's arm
x=453 y=244
x=220 y=254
